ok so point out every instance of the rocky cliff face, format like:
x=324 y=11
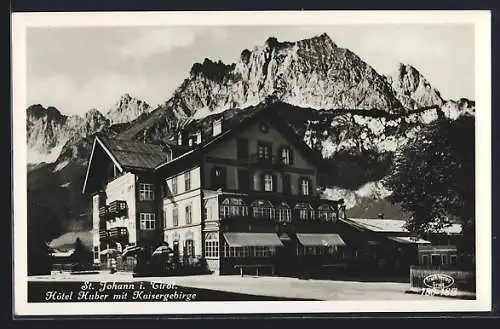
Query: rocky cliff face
x=309 y=73
x=412 y=89
x=49 y=132
x=128 y=108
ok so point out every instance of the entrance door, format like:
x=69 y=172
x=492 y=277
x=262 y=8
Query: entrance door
x=175 y=248
x=286 y=257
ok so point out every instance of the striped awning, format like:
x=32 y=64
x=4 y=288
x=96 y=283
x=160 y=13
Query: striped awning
x=408 y=240
x=320 y=239
x=252 y=239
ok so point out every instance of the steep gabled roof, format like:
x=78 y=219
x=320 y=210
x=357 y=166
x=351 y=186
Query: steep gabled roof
x=135 y=155
x=240 y=120
x=126 y=155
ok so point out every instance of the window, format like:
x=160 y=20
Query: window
x=326 y=212
x=188 y=215
x=236 y=252
x=425 y=260
x=436 y=260
x=242 y=148
x=284 y=212
x=219 y=177
x=147 y=221
x=96 y=252
x=187 y=180
x=305 y=186
x=453 y=259
x=268 y=183
x=262 y=251
x=263 y=209
x=189 y=248
x=286 y=156
x=164 y=218
x=169 y=156
x=305 y=211
x=146 y=192
x=211 y=245
x=174 y=185
x=444 y=259
x=264 y=152
x=175 y=216
x=233 y=207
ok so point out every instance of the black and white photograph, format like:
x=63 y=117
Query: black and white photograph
x=251 y=162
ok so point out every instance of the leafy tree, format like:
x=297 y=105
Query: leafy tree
x=81 y=255
x=433 y=177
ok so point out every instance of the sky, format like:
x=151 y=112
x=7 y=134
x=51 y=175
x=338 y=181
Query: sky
x=79 y=68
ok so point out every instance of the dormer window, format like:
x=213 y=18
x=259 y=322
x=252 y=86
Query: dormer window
x=169 y=156
x=217 y=127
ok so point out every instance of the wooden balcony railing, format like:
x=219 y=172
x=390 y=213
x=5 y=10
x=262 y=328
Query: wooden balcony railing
x=103 y=211
x=103 y=235
x=117 y=207
x=271 y=161
x=118 y=232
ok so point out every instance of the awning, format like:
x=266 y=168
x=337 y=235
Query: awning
x=408 y=240
x=320 y=239
x=252 y=239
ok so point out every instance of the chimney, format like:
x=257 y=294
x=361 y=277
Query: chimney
x=217 y=126
x=380 y=216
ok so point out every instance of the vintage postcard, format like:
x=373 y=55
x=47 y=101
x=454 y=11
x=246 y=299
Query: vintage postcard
x=251 y=162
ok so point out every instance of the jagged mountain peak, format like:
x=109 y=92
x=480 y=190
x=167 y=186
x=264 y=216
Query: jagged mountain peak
x=38 y=111
x=412 y=88
x=312 y=72
x=127 y=108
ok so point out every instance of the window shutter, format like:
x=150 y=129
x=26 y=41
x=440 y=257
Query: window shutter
x=310 y=186
x=275 y=183
x=291 y=156
x=262 y=182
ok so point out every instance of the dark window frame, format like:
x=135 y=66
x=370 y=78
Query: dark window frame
x=219 y=181
x=290 y=155
x=266 y=156
x=309 y=186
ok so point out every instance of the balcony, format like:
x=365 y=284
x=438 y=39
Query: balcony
x=103 y=211
x=276 y=214
x=117 y=207
x=103 y=235
x=118 y=232
x=271 y=161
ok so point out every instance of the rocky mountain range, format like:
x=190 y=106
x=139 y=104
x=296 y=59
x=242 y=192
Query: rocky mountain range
x=356 y=117
x=48 y=131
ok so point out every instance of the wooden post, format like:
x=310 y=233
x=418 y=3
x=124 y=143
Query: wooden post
x=257 y=271
x=241 y=271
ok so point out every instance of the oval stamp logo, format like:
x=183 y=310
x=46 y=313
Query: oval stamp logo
x=438 y=281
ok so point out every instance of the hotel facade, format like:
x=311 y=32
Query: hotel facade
x=239 y=192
